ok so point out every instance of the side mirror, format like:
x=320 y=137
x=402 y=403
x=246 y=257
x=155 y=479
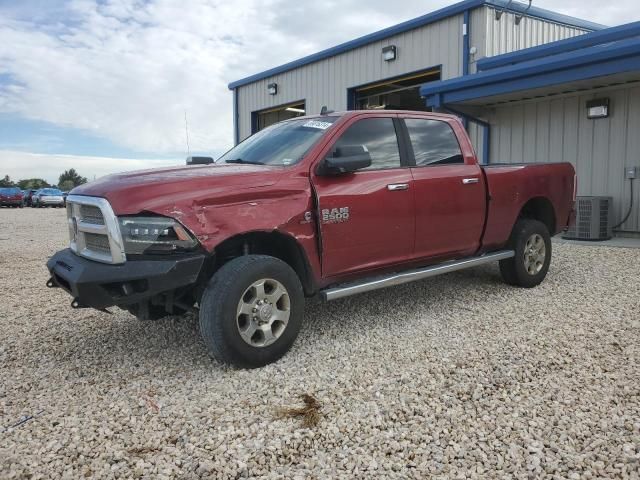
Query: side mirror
x=199 y=160
x=346 y=159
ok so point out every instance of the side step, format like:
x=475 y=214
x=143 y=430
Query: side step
x=412 y=275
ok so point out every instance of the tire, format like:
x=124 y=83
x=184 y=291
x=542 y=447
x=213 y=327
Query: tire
x=531 y=242
x=267 y=333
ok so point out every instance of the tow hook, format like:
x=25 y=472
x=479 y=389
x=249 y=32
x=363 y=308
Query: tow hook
x=51 y=283
x=76 y=304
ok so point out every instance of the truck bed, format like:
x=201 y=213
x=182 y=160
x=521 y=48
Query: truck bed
x=511 y=185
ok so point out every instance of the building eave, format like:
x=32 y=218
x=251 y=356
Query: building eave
x=593 y=62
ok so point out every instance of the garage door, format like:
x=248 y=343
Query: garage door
x=398 y=93
x=264 y=118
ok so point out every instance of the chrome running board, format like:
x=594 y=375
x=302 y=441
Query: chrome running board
x=375 y=283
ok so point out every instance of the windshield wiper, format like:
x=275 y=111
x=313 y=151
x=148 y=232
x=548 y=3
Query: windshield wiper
x=245 y=162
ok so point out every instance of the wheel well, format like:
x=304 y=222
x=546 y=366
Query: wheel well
x=540 y=209
x=274 y=244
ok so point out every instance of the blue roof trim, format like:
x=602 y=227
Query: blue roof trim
x=595 y=61
x=575 y=43
x=441 y=14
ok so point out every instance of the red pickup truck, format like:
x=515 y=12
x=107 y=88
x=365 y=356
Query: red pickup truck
x=331 y=205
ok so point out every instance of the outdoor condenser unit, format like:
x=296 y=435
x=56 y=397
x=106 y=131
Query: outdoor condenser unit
x=593 y=219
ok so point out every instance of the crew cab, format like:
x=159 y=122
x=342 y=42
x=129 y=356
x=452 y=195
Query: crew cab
x=332 y=205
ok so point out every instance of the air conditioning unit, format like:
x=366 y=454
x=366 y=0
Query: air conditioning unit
x=593 y=219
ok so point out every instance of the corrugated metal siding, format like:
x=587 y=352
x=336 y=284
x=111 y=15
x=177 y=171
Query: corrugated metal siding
x=478 y=37
x=558 y=130
x=327 y=81
x=504 y=36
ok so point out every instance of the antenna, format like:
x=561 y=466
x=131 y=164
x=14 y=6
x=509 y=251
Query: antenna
x=186 y=131
x=518 y=17
x=521 y=16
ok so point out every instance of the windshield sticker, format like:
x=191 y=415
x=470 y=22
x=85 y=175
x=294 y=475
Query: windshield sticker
x=317 y=124
x=287 y=161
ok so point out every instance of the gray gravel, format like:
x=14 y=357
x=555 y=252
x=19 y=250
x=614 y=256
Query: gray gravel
x=455 y=377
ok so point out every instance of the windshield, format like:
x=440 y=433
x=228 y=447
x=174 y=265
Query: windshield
x=50 y=191
x=9 y=191
x=282 y=144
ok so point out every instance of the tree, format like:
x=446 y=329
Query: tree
x=71 y=176
x=6 y=182
x=32 y=183
x=66 y=185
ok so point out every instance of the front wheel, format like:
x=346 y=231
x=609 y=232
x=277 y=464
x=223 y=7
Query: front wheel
x=531 y=242
x=251 y=311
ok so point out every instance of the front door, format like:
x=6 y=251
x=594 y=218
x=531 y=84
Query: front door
x=366 y=217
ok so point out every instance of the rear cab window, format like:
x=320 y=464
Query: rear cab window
x=433 y=142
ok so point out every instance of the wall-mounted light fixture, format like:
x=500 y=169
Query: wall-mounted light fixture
x=272 y=88
x=598 y=108
x=389 y=53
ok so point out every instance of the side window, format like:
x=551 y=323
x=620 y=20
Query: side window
x=379 y=136
x=433 y=142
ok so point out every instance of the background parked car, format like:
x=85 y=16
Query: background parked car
x=11 y=197
x=47 y=197
x=26 y=196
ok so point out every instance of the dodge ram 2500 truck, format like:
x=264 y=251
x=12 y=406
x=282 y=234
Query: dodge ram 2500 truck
x=332 y=205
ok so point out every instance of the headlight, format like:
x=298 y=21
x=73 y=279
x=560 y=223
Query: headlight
x=148 y=235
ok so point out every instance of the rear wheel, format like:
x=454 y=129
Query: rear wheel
x=251 y=311
x=531 y=242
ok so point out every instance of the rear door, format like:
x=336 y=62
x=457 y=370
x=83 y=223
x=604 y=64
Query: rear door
x=366 y=218
x=449 y=187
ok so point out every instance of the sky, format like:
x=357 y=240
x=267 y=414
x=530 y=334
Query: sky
x=104 y=86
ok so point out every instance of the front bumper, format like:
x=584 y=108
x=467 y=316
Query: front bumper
x=10 y=202
x=99 y=285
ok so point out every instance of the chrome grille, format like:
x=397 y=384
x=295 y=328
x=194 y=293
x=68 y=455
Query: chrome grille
x=98 y=243
x=94 y=230
x=91 y=214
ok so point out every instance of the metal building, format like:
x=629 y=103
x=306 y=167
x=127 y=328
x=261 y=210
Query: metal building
x=474 y=58
x=576 y=100
x=358 y=74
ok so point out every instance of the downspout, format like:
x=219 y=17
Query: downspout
x=486 y=131
x=466 y=35
x=466 y=42
x=486 y=143
x=236 y=131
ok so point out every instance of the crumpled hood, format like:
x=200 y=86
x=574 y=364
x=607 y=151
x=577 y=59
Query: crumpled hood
x=161 y=189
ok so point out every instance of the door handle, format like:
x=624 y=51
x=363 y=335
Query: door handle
x=394 y=187
x=470 y=181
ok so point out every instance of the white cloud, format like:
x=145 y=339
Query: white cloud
x=20 y=165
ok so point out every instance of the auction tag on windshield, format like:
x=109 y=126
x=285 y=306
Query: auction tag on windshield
x=317 y=124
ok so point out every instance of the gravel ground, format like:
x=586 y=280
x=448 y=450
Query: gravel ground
x=455 y=377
